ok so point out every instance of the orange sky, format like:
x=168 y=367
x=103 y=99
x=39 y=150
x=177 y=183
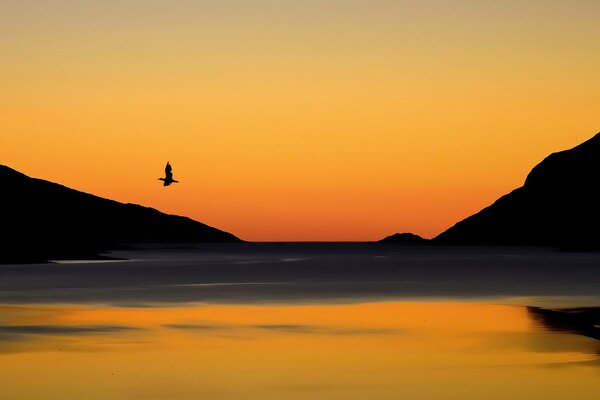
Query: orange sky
x=308 y=120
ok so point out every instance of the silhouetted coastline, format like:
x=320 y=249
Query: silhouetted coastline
x=557 y=206
x=44 y=220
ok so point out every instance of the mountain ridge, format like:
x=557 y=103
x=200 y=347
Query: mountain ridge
x=44 y=220
x=557 y=206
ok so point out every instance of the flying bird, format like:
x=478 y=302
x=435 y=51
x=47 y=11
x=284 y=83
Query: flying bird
x=168 y=179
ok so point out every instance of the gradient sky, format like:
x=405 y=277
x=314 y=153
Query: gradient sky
x=297 y=120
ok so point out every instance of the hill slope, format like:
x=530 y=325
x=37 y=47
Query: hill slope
x=559 y=205
x=43 y=220
x=407 y=238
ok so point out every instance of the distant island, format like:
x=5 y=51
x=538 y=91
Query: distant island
x=559 y=206
x=407 y=239
x=43 y=221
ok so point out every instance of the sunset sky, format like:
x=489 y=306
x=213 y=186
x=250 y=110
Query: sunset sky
x=297 y=120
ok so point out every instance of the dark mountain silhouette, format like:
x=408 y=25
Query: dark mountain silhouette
x=559 y=205
x=404 y=239
x=42 y=220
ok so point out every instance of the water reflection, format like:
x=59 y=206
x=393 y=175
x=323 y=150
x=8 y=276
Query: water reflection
x=384 y=350
x=287 y=328
x=16 y=330
x=581 y=321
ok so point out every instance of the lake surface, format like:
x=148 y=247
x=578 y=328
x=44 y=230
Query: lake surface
x=299 y=321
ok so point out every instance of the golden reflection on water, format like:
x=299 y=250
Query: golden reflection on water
x=418 y=350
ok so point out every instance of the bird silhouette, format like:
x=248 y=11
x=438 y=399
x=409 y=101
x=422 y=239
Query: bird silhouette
x=168 y=179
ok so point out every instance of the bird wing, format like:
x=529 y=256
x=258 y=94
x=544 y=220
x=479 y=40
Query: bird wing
x=168 y=173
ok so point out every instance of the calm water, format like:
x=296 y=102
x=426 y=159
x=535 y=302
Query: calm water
x=299 y=322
